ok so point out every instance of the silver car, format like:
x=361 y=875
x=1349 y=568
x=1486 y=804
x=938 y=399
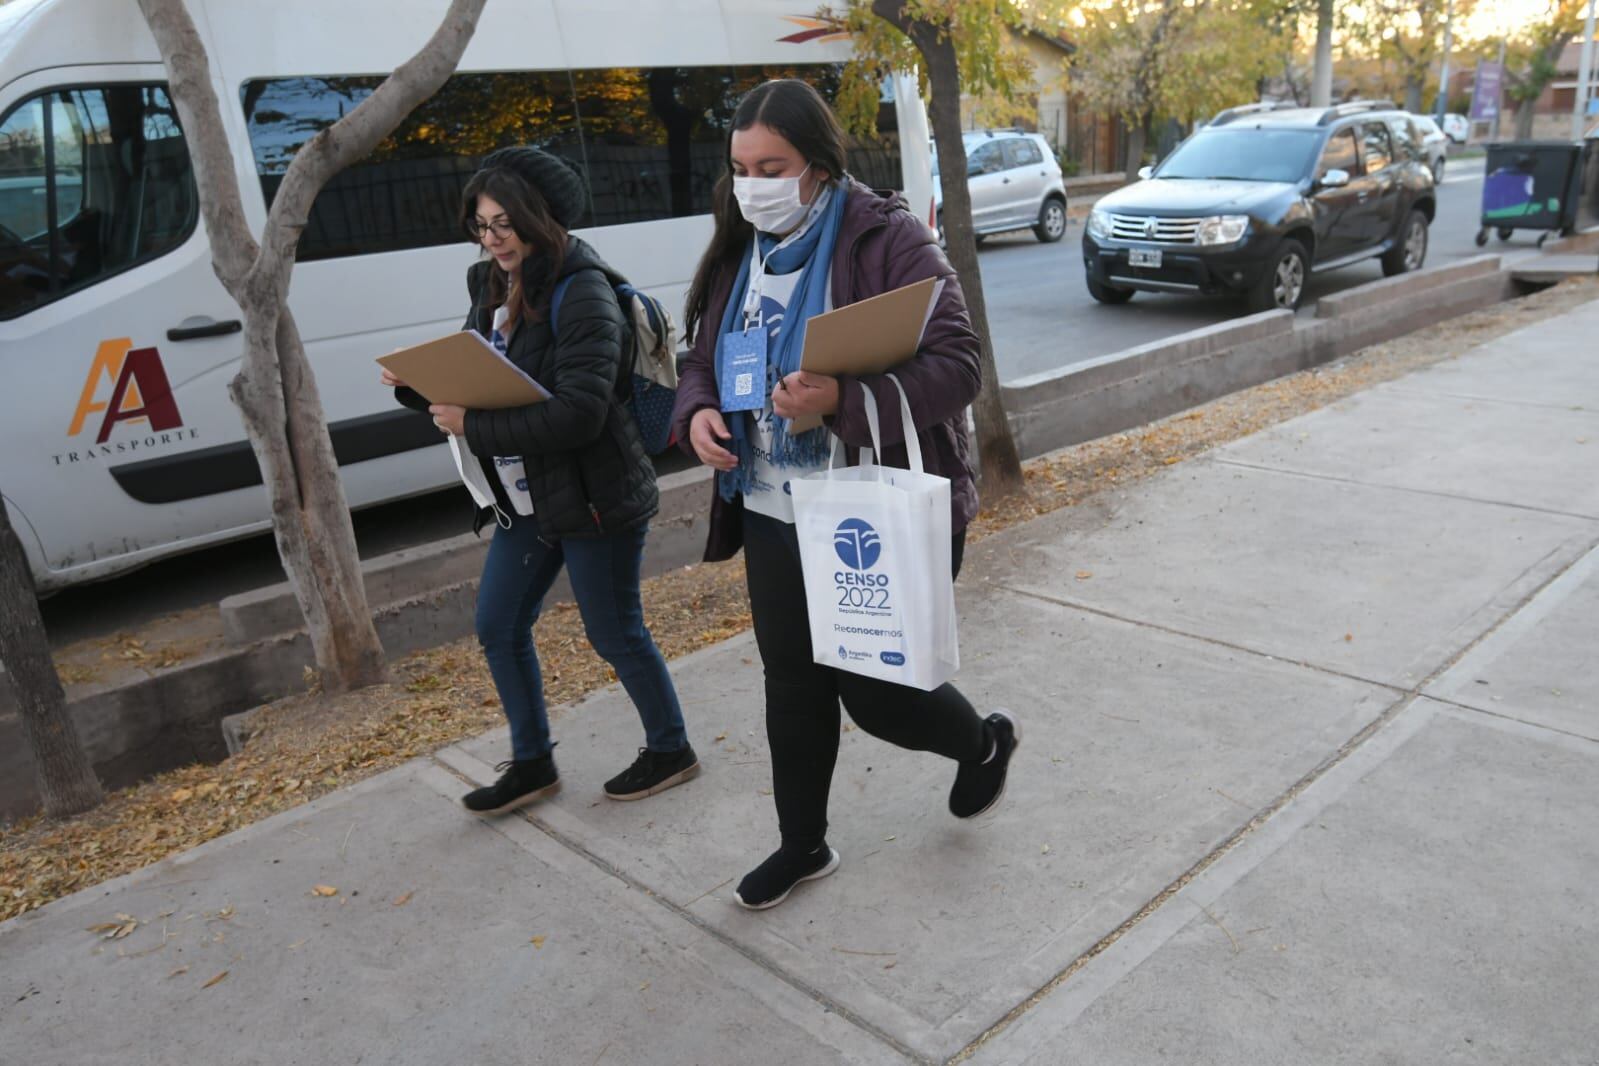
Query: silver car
x=1015 y=183
x=1434 y=146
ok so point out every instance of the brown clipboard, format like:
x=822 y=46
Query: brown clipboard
x=465 y=370
x=872 y=336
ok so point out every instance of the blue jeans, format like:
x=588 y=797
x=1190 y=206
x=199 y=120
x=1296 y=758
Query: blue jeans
x=605 y=580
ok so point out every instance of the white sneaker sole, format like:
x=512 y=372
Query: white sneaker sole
x=520 y=801
x=1016 y=742
x=661 y=786
x=832 y=864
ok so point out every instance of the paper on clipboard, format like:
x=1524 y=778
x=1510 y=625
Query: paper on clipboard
x=872 y=336
x=465 y=370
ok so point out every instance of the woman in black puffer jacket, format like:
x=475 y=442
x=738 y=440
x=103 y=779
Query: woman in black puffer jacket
x=571 y=481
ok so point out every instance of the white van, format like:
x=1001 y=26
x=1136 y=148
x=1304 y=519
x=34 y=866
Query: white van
x=116 y=340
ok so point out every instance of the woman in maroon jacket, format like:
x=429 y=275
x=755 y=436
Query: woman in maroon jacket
x=796 y=236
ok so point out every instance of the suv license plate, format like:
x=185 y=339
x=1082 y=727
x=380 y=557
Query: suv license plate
x=1144 y=257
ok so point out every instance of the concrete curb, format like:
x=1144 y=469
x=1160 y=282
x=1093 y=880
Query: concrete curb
x=1144 y=384
x=427 y=595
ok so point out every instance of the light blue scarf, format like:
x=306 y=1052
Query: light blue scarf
x=812 y=254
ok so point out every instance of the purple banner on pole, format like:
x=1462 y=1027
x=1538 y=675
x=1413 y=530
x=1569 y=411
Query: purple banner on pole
x=1485 y=95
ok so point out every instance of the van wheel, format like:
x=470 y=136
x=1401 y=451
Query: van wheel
x=1282 y=285
x=1411 y=251
x=1108 y=294
x=1051 y=225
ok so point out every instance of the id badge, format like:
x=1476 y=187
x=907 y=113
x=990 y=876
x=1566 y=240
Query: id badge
x=743 y=370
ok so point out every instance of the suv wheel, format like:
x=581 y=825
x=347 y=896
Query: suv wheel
x=1411 y=251
x=1051 y=225
x=1108 y=294
x=1283 y=283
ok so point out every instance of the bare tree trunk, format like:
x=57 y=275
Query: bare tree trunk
x=66 y=779
x=1413 y=94
x=276 y=389
x=999 y=463
x=1321 y=80
x=1136 y=138
x=1526 y=111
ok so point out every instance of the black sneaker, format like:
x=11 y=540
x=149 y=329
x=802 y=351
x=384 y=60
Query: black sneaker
x=652 y=772
x=770 y=883
x=979 y=785
x=521 y=782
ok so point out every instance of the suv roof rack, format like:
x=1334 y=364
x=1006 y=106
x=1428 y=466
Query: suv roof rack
x=1353 y=107
x=1224 y=117
x=989 y=132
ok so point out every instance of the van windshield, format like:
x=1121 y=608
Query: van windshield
x=1243 y=155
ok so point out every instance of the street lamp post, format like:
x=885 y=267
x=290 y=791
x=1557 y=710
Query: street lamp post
x=1443 y=74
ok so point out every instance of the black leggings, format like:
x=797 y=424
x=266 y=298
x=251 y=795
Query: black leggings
x=802 y=720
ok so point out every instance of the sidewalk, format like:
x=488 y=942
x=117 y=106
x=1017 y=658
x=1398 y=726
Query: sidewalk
x=1310 y=775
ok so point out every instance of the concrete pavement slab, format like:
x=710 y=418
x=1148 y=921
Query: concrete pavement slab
x=1375 y=582
x=1542 y=665
x=1441 y=909
x=448 y=940
x=1472 y=448
x=1142 y=751
x=1554 y=363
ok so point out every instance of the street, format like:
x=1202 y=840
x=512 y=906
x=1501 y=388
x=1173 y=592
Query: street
x=1037 y=299
x=1039 y=310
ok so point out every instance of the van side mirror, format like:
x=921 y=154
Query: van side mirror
x=1146 y=172
x=1334 y=179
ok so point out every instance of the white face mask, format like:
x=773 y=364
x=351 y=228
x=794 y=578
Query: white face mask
x=771 y=205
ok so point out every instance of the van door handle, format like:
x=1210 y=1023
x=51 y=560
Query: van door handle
x=208 y=329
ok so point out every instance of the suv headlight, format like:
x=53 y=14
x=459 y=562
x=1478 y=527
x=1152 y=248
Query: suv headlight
x=1223 y=229
x=1099 y=226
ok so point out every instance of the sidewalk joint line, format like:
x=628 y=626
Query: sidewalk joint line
x=1495 y=400
x=1313 y=476
x=1541 y=727
x=644 y=892
x=1202 y=638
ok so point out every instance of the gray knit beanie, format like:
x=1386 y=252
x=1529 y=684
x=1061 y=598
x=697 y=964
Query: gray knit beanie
x=557 y=180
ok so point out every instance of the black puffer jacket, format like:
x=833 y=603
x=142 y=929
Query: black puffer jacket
x=587 y=470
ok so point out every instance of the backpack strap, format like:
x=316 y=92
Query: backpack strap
x=624 y=386
x=555 y=304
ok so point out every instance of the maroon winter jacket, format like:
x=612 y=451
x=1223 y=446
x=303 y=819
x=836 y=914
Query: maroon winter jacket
x=881 y=247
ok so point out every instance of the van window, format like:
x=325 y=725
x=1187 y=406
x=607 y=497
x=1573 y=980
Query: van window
x=92 y=181
x=649 y=141
x=407 y=193
x=653 y=139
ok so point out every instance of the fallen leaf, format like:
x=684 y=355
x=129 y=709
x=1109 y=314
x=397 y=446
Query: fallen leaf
x=1044 y=850
x=218 y=979
x=1084 y=575
x=537 y=942
x=179 y=972
x=644 y=987
x=888 y=838
x=1170 y=459
x=324 y=890
x=719 y=738
x=1349 y=638
x=403 y=899
x=181 y=795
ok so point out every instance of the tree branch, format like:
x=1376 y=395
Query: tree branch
x=233 y=249
x=355 y=135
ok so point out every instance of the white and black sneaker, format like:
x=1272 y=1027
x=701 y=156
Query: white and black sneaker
x=521 y=782
x=770 y=883
x=979 y=785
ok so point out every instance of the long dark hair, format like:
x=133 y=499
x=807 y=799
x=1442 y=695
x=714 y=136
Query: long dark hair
x=798 y=114
x=528 y=293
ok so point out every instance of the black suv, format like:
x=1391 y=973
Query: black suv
x=1261 y=196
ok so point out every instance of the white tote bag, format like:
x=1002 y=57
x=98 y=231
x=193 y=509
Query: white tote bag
x=875 y=546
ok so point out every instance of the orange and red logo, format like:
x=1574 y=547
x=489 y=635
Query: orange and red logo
x=139 y=390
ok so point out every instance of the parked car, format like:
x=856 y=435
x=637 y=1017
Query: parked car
x=1259 y=198
x=1434 y=145
x=1457 y=127
x=1015 y=183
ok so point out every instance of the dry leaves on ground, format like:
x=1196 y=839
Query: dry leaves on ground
x=309 y=745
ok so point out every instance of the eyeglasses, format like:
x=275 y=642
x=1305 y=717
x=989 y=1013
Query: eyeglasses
x=500 y=227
